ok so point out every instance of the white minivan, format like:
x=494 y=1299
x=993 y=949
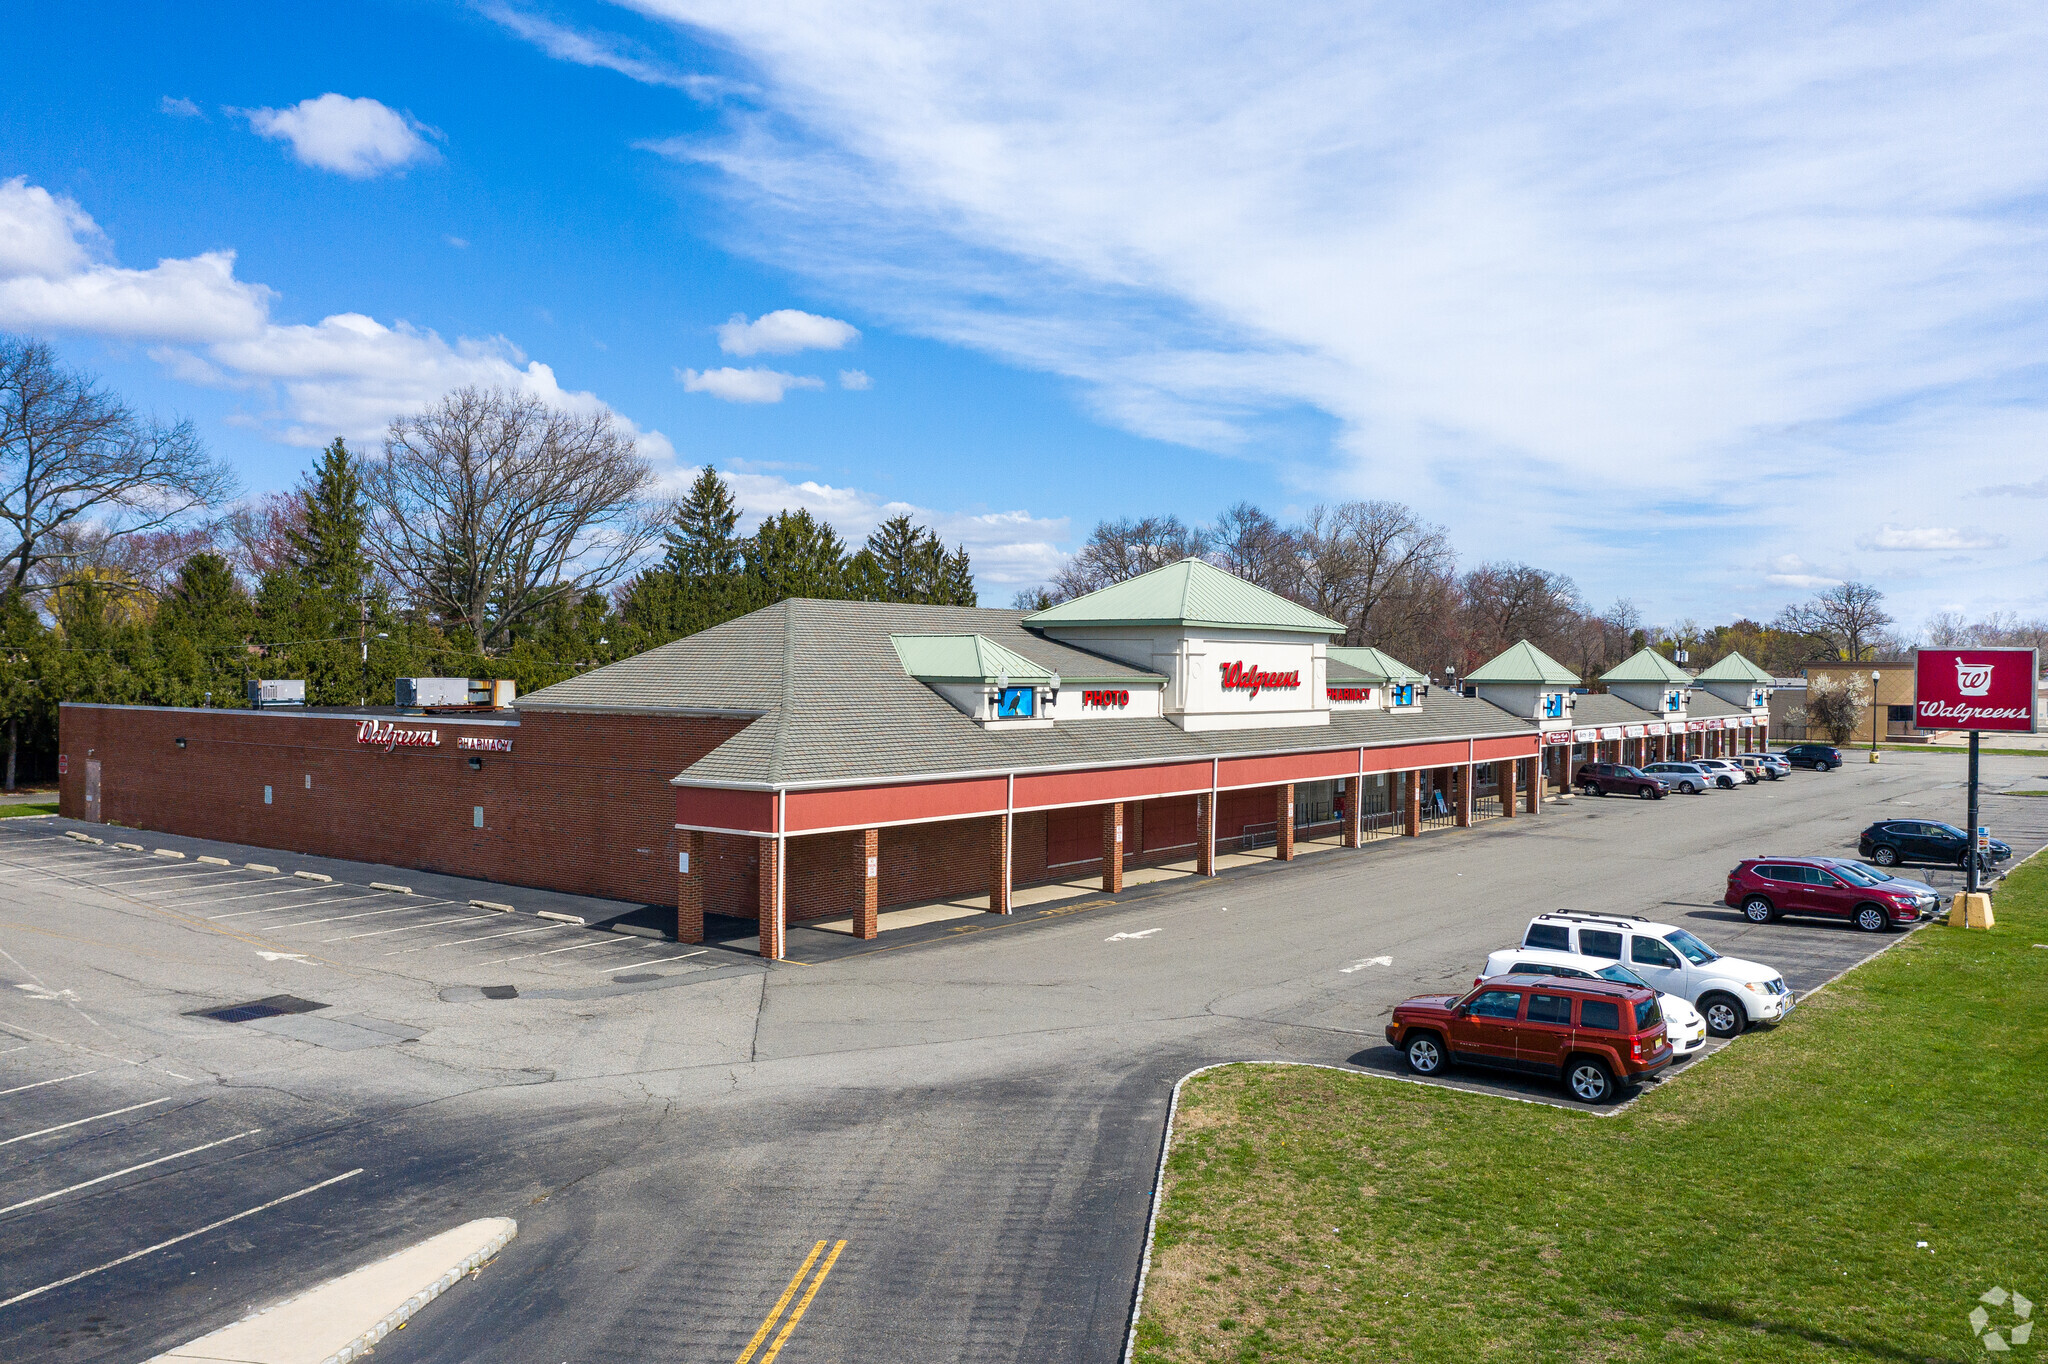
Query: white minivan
x=1730 y=993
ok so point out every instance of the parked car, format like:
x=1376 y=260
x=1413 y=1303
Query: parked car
x=1688 y=777
x=1764 y=888
x=1726 y=775
x=1819 y=757
x=1897 y=881
x=1732 y=994
x=1757 y=767
x=1774 y=765
x=1595 y=1035
x=1682 y=1023
x=1892 y=841
x=1601 y=779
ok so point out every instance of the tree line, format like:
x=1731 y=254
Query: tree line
x=490 y=536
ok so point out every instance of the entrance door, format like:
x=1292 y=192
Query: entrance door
x=92 y=790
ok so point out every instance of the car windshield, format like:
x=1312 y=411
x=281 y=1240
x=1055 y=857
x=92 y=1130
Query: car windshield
x=1621 y=975
x=1628 y=772
x=1691 y=948
x=1857 y=874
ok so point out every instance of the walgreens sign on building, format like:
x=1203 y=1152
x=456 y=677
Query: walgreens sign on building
x=1982 y=689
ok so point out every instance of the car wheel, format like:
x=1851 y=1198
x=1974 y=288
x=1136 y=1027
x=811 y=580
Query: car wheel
x=1889 y=857
x=1823 y=766
x=1758 y=910
x=1425 y=1054
x=1647 y=794
x=1589 y=1080
x=1723 y=1014
x=1870 y=919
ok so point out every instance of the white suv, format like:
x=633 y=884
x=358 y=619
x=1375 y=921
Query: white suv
x=1726 y=774
x=1729 y=992
x=1682 y=1022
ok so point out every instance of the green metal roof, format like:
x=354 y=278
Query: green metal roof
x=1646 y=665
x=1190 y=592
x=1735 y=668
x=1523 y=662
x=964 y=658
x=1373 y=663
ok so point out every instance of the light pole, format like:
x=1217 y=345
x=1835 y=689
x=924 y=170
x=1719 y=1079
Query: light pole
x=1875 y=678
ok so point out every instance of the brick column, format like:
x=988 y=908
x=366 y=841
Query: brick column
x=1283 y=821
x=1533 y=791
x=999 y=865
x=1205 y=835
x=1113 y=847
x=768 y=910
x=690 y=887
x=1461 y=777
x=1504 y=783
x=1411 y=804
x=866 y=920
x=1354 y=812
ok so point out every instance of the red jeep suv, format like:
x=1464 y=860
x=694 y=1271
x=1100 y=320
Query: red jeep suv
x=1765 y=887
x=1595 y=1035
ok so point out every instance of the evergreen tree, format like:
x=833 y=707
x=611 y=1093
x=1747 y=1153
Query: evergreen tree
x=327 y=550
x=956 y=581
x=704 y=543
x=908 y=563
x=794 y=555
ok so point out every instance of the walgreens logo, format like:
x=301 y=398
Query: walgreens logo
x=389 y=737
x=1986 y=689
x=1243 y=677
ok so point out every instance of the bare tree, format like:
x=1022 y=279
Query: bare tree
x=78 y=467
x=1351 y=556
x=1848 y=618
x=1506 y=602
x=1118 y=551
x=1948 y=630
x=1251 y=544
x=491 y=505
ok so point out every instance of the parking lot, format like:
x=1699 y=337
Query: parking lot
x=977 y=1118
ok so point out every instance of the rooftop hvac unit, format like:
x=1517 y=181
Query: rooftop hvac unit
x=496 y=694
x=414 y=692
x=279 y=692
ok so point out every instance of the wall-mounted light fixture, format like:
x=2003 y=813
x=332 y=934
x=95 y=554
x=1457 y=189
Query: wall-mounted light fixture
x=476 y=764
x=179 y=742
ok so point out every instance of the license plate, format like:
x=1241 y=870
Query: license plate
x=1789 y=1002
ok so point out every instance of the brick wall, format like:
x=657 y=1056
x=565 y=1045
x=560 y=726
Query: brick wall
x=581 y=804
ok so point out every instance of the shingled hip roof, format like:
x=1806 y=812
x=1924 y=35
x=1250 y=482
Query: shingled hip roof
x=1191 y=592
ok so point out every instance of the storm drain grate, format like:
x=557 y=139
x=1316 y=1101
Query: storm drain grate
x=258 y=1008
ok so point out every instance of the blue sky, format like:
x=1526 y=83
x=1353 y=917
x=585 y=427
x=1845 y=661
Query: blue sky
x=1706 y=308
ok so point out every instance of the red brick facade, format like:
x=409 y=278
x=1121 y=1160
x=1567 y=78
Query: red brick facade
x=582 y=803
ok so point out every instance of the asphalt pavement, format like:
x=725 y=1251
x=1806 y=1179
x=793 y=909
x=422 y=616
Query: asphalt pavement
x=220 y=1086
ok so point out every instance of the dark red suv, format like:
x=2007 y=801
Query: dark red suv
x=1603 y=779
x=1765 y=887
x=1595 y=1035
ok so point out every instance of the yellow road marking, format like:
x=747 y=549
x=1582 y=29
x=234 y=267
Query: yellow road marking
x=780 y=1303
x=809 y=1293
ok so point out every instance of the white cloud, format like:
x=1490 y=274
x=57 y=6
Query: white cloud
x=784 y=332
x=1930 y=538
x=602 y=50
x=356 y=137
x=855 y=380
x=1789 y=570
x=347 y=374
x=459 y=243
x=177 y=106
x=1009 y=549
x=756 y=385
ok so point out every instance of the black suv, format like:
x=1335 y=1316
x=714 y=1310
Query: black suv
x=1819 y=757
x=1921 y=840
x=1601 y=779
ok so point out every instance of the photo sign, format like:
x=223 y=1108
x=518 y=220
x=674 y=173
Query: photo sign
x=1983 y=689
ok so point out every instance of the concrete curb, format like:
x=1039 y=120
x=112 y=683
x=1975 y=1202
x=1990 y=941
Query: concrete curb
x=343 y=1319
x=393 y=887
x=492 y=905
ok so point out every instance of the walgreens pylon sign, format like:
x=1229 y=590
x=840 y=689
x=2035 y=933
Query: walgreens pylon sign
x=1988 y=689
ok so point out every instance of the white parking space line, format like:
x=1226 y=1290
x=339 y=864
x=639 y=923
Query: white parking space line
x=368 y=913
x=69 y=860
x=175 y=1155
x=80 y=1122
x=578 y=947
x=174 y=874
x=463 y=939
x=659 y=961
x=407 y=928
x=40 y=1083
x=307 y=889
x=162 y=1245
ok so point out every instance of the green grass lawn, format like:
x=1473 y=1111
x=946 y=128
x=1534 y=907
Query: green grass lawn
x=14 y=811
x=1767 y=1207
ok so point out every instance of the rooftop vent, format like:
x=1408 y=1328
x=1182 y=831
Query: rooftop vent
x=277 y=692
